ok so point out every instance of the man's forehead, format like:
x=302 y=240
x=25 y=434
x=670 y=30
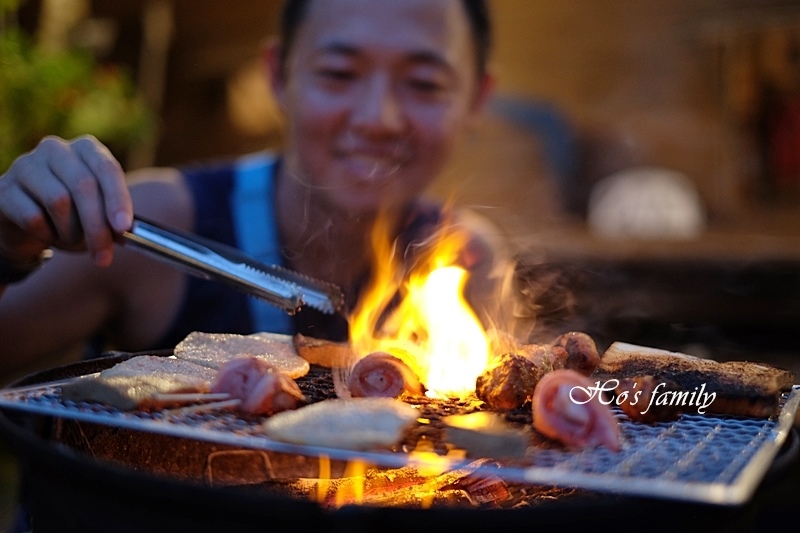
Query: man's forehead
x=432 y=56
x=424 y=30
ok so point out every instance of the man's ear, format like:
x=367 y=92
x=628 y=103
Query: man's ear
x=484 y=92
x=272 y=59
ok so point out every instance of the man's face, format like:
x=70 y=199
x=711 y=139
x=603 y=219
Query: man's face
x=376 y=93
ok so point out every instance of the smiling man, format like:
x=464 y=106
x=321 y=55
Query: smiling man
x=376 y=96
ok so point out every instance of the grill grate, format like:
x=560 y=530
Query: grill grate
x=709 y=459
x=703 y=458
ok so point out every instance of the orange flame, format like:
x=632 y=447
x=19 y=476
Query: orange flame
x=432 y=328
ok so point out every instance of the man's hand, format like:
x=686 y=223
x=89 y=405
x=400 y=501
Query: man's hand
x=65 y=194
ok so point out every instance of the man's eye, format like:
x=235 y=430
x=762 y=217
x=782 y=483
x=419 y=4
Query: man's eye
x=426 y=86
x=336 y=74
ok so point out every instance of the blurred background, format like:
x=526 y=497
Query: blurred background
x=707 y=88
x=644 y=156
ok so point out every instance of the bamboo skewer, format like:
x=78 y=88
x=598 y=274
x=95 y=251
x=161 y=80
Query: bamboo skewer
x=188 y=397
x=199 y=408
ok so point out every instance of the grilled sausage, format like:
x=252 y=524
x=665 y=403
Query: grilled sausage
x=262 y=389
x=382 y=375
x=582 y=354
x=565 y=410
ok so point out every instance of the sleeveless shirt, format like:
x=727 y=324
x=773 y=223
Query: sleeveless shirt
x=235 y=204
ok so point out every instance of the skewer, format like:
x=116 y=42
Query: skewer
x=199 y=408
x=45 y=385
x=187 y=397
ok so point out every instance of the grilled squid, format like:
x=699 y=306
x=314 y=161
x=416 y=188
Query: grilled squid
x=261 y=388
x=380 y=374
x=565 y=409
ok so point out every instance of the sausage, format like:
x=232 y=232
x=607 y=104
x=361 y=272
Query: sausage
x=381 y=374
x=235 y=377
x=273 y=393
x=508 y=383
x=582 y=354
x=544 y=357
x=564 y=410
x=262 y=389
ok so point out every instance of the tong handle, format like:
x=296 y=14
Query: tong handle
x=213 y=260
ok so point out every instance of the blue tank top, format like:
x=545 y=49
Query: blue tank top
x=234 y=205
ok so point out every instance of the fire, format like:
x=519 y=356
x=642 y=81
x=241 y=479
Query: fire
x=418 y=313
x=354 y=492
x=423 y=317
x=419 y=483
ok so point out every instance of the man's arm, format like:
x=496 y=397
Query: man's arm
x=74 y=295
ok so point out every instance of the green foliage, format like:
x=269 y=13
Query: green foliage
x=9 y=6
x=63 y=93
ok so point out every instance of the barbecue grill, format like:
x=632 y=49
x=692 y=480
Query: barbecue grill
x=122 y=487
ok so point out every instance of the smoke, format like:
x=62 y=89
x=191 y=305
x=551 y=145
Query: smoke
x=533 y=302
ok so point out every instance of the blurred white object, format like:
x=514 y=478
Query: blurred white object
x=646 y=203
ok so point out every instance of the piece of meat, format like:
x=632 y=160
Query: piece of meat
x=273 y=393
x=237 y=377
x=135 y=382
x=545 y=357
x=739 y=387
x=382 y=375
x=582 y=354
x=565 y=410
x=634 y=396
x=323 y=352
x=510 y=379
x=262 y=389
x=215 y=349
x=508 y=383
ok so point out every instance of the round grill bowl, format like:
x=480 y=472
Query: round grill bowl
x=68 y=490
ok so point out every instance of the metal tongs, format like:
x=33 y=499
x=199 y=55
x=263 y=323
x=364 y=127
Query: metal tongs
x=209 y=259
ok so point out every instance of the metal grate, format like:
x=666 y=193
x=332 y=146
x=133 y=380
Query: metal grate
x=703 y=458
x=709 y=459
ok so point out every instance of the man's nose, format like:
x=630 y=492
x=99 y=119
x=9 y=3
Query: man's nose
x=378 y=111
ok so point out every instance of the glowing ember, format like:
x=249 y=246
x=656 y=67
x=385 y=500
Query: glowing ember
x=354 y=492
x=323 y=485
x=427 y=477
x=432 y=328
x=429 y=463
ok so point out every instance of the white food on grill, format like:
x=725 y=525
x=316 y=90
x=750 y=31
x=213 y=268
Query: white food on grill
x=351 y=424
x=215 y=349
x=136 y=381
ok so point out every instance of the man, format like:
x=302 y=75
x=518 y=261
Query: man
x=376 y=96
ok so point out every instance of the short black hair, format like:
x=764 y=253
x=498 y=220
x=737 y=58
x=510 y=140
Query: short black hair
x=294 y=12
